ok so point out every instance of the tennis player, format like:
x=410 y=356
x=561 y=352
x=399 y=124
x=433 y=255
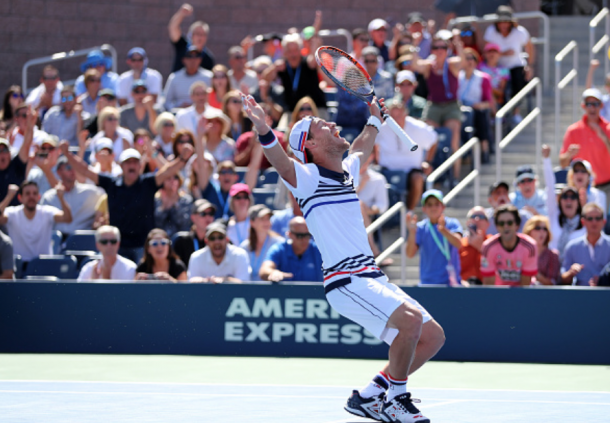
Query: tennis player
x=324 y=186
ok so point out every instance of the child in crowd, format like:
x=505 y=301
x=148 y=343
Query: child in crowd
x=438 y=239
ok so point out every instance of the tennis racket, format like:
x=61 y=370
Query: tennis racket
x=348 y=74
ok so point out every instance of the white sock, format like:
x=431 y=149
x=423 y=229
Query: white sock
x=377 y=386
x=397 y=387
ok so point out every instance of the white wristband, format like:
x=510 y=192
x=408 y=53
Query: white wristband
x=375 y=122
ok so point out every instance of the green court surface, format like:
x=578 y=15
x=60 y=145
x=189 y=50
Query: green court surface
x=296 y=371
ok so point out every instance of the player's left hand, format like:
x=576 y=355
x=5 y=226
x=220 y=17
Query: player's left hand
x=255 y=112
x=376 y=110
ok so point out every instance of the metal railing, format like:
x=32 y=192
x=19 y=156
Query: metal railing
x=396 y=208
x=561 y=84
x=322 y=33
x=472 y=144
x=65 y=55
x=604 y=41
x=502 y=143
x=544 y=39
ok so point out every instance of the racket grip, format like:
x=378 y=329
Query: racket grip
x=400 y=133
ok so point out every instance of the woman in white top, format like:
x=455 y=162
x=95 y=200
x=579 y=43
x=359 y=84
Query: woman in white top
x=240 y=200
x=513 y=40
x=261 y=238
x=108 y=122
x=580 y=176
x=564 y=213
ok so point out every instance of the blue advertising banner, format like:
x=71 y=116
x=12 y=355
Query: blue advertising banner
x=481 y=324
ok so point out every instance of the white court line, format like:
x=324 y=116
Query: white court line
x=446 y=400
x=291 y=386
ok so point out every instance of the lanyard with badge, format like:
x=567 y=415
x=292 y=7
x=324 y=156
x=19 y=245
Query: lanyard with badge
x=446 y=83
x=444 y=248
x=294 y=75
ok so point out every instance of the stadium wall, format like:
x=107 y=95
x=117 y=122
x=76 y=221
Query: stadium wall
x=36 y=28
x=547 y=325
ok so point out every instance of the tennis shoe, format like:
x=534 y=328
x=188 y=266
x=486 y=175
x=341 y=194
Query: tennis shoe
x=402 y=410
x=364 y=407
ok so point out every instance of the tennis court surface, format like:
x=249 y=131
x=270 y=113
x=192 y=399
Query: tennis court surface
x=94 y=388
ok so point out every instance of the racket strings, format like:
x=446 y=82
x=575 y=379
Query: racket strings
x=346 y=72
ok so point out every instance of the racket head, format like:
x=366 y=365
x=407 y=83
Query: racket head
x=345 y=72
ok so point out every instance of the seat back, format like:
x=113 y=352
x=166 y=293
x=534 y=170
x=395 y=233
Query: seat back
x=81 y=241
x=263 y=196
x=268 y=177
x=63 y=267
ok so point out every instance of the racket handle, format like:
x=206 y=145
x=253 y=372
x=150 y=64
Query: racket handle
x=400 y=133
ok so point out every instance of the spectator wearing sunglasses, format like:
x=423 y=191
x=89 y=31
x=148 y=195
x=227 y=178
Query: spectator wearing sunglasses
x=295 y=259
x=142 y=112
x=526 y=195
x=585 y=257
x=605 y=111
x=186 y=243
x=160 y=262
x=564 y=212
x=111 y=266
x=97 y=60
x=589 y=139
x=137 y=60
x=509 y=258
x=549 y=266
x=92 y=82
x=65 y=121
x=219 y=261
x=82 y=199
x=48 y=93
x=469 y=36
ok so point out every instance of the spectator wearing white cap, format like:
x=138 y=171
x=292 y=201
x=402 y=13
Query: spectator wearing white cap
x=142 y=112
x=580 y=176
x=589 y=139
x=527 y=196
x=378 y=30
x=137 y=60
x=406 y=84
x=131 y=196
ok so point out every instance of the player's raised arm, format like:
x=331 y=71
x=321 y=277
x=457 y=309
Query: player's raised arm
x=272 y=148
x=364 y=143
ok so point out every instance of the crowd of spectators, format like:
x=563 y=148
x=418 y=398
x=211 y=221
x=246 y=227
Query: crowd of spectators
x=167 y=173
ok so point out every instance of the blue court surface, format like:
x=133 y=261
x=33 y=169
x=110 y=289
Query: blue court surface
x=67 y=402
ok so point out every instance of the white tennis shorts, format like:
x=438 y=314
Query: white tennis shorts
x=370 y=302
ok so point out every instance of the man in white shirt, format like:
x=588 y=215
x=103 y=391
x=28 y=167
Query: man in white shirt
x=241 y=78
x=30 y=225
x=219 y=261
x=393 y=154
x=188 y=118
x=82 y=199
x=137 y=60
x=111 y=266
x=48 y=93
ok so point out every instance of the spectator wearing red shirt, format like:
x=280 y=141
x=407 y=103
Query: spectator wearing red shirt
x=589 y=139
x=509 y=258
x=470 y=251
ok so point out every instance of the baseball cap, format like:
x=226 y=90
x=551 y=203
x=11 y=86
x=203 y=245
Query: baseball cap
x=370 y=50
x=130 y=153
x=63 y=160
x=491 y=47
x=107 y=92
x=432 y=193
x=103 y=143
x=525 y=172
x=405 y=75
x=138 y=83
x=414 y=17
x=298 y=135
x=192 y=52
x=592 y=92
x=51 y=140
x=136 y=50
x=497 y=185
x=215 y=227
x=201 y=205
x=239 y=187
x=4 y=141
x=259 y=210
x=583 y=162
x=377 y=24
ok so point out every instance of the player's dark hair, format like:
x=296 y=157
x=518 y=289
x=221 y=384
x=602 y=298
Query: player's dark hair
x=507 y=208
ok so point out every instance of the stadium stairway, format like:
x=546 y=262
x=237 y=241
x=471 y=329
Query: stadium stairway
x=523 y=149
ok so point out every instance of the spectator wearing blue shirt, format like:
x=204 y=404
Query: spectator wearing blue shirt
x=438 y=239
x=383 y=81
x=526 y=196
x=296 y=259
x=585 y=257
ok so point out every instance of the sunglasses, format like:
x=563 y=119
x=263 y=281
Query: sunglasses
x=158 y=242
x=443 y=47
x=306 y=109
x=363 y=40
x=371 y=61
x=226 y=172
x=168 y=125
x=206 y=214
x=569 y=197
x=67 y=98
x=108 y=97
x=140 y=91
x=471 y=58
x=526 y=181
x=239 y=57
x=540 y=228
x=478 y=217
x=235 y=101
x=466 y=34
x=184 y=141
x=219 y=76
x=242 y=197
x=216 y=238
x=592 y=104
x=302 y=235
x=502 y=223
x=50 y=78
x=112 y=119
x=21 y=115
x=95 y=80
x=108 y=241
x=4 y=150
x=17 y=95
x=406 y=62
x=137 y=59
x=580 y=171
x=593 y=218
x=50 y=148
x=67 y=166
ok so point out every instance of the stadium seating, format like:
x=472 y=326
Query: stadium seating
x=56 y=238
x=561 y=175
x=62 y=267
x=241 y=172
x=82 y=240
x=264 y=196
x=443 y=150
x=269 y=177
x=18 y=266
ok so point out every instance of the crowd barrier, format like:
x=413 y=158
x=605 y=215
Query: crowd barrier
x=541 y=325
